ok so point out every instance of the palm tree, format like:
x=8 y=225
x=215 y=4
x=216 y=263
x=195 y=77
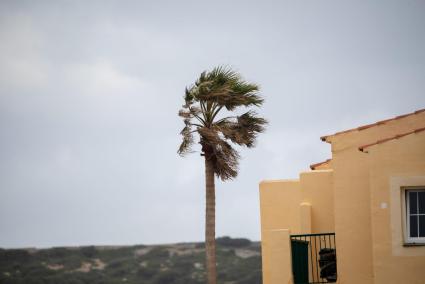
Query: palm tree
x=207 y=103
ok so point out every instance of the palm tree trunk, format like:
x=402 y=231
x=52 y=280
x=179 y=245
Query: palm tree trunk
x=210 y=223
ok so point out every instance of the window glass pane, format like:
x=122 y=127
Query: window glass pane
x=421 y=197
x=422 y=226
x=413 y=202
x=413 y=226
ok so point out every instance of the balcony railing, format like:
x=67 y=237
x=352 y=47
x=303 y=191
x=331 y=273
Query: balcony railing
x=314 y=258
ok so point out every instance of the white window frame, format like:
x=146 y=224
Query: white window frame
x=406 y=216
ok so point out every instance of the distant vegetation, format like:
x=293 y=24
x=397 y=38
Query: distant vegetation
x=239 y=261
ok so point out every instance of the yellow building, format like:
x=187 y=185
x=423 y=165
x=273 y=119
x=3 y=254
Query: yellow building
x=358 y=217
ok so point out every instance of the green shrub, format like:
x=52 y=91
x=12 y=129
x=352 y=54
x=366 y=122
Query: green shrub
x=89 y=251
x=146 y=272
x=229 y=242
x=166 y=277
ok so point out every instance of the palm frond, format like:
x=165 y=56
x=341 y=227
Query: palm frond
x=226 y=88
x=184 y=113
x=188 y=97
x=194 y=110
x=243 y=130
x=188 y=140
x=225 y=159
x=222 y=75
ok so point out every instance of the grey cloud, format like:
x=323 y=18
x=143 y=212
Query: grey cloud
x=89 y=93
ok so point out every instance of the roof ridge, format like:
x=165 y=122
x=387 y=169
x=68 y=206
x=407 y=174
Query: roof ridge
x=366 y=126
x=397 y=136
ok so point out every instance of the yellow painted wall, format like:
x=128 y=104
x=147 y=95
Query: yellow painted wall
x=395 y=164
x=317 y=190
x=279 y=200
x=352 y=217
x=353 y=227
x=280 y=253
x=299 y=206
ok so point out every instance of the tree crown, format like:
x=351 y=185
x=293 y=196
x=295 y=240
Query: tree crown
x=214 y=93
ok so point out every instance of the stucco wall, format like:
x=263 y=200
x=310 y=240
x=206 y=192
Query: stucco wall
x=299 y=206
x=317 y=190
x=352 y=217
x=353 y=226
x=279 y=206
x=395 y=164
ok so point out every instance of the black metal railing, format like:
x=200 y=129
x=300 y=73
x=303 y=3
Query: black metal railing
x=314 y=258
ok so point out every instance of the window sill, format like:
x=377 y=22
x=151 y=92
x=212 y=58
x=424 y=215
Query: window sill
x=413 y=244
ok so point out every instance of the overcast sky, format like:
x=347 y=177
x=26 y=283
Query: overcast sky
x=89 y=94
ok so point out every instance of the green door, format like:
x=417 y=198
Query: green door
x=300 y=261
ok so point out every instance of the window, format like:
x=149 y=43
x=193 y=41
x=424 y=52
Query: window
x=415 y=215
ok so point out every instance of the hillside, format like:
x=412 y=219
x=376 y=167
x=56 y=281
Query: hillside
x=239 y=261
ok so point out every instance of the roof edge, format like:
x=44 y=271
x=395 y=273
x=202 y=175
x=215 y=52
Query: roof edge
x=313 y=166
x=363 y=127
x=363 y=147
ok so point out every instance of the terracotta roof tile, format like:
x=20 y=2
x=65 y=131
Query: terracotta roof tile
x=363 y=147
x=323 y=138
x=314 y=166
